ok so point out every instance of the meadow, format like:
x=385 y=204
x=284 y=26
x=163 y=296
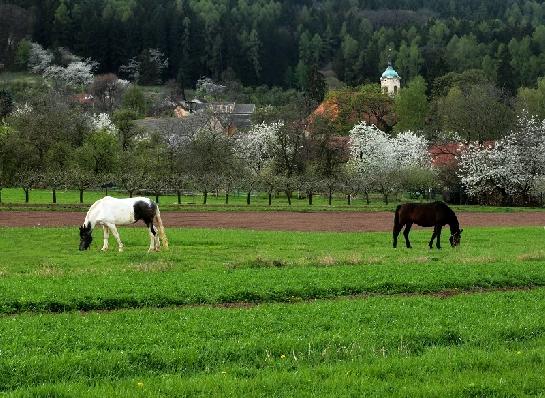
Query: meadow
x=246 y=313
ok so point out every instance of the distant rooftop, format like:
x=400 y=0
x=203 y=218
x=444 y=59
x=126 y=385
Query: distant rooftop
x=240 y=115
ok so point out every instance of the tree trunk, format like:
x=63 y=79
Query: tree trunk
x=288 y=194
x=179 y=194
x=157 y=198
x=226 y=198
x=26 y=195
x=349 y=199
x=81 y=195
x=248 y=198
x=270 y=198
x=54 y=196
x=205 y=197
x=330 y=196
x=367 y=198
x=0 y=195
x=385 y=198
x=310 y=198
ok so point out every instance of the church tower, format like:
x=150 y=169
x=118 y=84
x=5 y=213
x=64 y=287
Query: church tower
x=390 y=81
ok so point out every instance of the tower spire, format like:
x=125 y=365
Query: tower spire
x=390 y=56
x=390 y=80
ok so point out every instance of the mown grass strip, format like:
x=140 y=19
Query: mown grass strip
x=480 y=345
x=42 y=271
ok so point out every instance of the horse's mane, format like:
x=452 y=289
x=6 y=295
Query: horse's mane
x=93 y=206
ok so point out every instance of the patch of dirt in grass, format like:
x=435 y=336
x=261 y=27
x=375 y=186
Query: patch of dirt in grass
x=358 y=259
x=476 y=290
x=48 y=270
x=258 y=262
x=476 y=260
x=156 y=266
x=327 y=261
x=236 y=305
x=354 y=259
x=535 y=256
x=373 y=260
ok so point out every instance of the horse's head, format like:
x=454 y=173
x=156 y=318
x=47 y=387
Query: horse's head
x=455 y=238
x=85 y=236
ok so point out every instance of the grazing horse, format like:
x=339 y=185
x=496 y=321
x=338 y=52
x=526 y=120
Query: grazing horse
x=110 y=211
x=436 y=215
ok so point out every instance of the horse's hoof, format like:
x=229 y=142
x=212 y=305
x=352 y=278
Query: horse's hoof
x=104 y=249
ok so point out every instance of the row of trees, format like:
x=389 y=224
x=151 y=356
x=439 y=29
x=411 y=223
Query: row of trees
x=51 y=143
x=209 y=37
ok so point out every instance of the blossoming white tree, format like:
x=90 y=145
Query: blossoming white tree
x=255 y=148
x=509 y=168
x=75 y=74
x=39 y=59
x=103 y=122
x=147 y=68
x=382 y=159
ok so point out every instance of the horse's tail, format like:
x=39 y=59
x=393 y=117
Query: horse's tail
x=396 y=217
x=162 y=235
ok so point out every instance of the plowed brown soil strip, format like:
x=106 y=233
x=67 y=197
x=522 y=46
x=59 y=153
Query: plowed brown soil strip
x=276 y=221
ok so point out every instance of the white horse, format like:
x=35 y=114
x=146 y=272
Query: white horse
x=110 y=211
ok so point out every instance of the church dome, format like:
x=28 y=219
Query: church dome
x=390 y=73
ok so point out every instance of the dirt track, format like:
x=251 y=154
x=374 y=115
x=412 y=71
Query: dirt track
x=276 y=221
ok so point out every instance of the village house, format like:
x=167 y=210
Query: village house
x=237 y=116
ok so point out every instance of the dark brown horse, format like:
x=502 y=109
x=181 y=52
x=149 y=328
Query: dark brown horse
x=436 y=215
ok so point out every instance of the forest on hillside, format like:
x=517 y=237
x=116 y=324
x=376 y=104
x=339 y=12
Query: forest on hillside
x=274 y=42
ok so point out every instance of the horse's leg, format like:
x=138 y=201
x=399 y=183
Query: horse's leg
x=406 y=235
x=106 y=237
x=116 y=235
x=154 y=239
x=157 y=241
x=151 y=239
x=438 y=233
x=433 y=236
x=397 y=230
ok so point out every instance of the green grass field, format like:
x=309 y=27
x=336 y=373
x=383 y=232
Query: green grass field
x=68 y=200
x=246 y=313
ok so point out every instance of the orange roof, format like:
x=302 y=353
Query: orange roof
x=445 y=154
x=328 y=108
